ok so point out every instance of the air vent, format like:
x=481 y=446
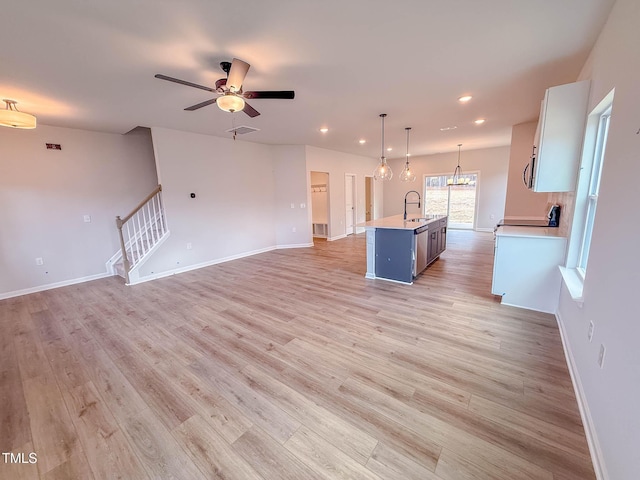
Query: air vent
x=242 y=129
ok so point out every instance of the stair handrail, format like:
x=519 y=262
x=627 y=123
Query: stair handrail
x=141 y=204
x=120 y=222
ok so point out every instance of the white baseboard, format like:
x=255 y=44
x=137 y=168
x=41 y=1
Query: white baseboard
x=490 y=230
x=589 y=428
x=331 y=239
x=50 y=286
x=294 y=245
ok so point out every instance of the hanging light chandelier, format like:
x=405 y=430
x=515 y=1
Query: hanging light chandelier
x=407 y=174
x=458 y=178
x=382 y=171
x=12 y=117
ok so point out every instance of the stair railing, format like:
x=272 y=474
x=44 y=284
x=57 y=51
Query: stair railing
x=141 y=229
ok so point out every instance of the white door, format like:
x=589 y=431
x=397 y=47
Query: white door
x=349 y=190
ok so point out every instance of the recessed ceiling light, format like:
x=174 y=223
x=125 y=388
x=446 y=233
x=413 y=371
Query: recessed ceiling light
x=362 y=141
x=480 y=121
x=444 y=129
x=324 y=130
x=389 y=149
x=465 y=98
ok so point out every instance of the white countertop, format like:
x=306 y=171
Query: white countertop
x=537 y=232
x=397 y=222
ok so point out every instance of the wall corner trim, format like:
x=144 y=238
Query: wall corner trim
x=589 y=428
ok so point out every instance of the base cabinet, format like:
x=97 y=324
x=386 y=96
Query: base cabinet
x=395 y=254
x=525 y=271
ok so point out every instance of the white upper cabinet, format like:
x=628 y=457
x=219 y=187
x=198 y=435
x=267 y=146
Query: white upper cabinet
x=558 y=140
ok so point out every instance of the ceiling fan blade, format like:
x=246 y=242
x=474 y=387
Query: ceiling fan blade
x=285 y=94
x=237 y=73
x=200 y=105
x=249 y=110
x=183 y=82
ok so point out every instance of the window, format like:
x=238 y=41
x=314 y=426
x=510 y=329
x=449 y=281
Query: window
x=457 y=201
x=594 y=188
x=586 y=197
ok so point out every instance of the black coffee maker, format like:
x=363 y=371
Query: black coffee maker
x=554 y=216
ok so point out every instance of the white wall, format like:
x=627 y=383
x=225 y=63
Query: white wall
x=492 y=163
x=233 y=213
x=612 y=284
x=44 y=195
x=522 y=202
x=338 y=164
x=290 y=171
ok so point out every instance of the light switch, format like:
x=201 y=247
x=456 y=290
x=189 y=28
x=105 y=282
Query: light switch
x=87 y=219
x=303 y=205
x=293 y=205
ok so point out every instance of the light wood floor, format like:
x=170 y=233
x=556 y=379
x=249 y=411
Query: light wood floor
x=289 y=365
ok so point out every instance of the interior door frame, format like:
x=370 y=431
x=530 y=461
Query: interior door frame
x=353 y=202
x=373 y=196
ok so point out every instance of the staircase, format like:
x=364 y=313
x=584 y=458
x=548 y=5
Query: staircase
x=141 y=233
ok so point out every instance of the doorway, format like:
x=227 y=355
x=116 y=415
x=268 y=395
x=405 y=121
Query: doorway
x=320 y=204
x=350 y=203
x=456 y=201
x=368 y=198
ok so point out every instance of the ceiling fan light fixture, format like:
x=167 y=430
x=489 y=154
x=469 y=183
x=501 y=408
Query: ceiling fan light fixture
x=11 y=117
x=383 y=170
x=230 y=102
x=407 y=174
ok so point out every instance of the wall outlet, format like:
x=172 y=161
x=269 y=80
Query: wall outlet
x=293 y=205
x=303 y=205
x=87 y=218
x=39 y=261
x=293 y=229
x=189 y=246
x=601 y=355
x=590 y=333
x=492 y=216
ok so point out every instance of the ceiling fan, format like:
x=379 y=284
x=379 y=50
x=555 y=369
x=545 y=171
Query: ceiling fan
x=232 y=97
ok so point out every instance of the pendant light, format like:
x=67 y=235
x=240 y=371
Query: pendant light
x=11 y=117
x=458 y=178
x=382 y=171
x=407 y=174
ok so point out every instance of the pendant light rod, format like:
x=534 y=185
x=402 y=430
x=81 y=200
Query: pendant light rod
x=382 y=115
x=383 y=170
x=407 y=174
x=407 y=155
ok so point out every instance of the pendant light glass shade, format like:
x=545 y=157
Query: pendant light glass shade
x=230 y=103
x=407 y=174
x=383 y=170
x=458 y=178
x=11 y=117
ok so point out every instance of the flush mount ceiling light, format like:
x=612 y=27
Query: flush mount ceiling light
x=362 y=141
x=479 y=121
x=407 y=174
x=382 y=171
x=11 y=117
x=446 y=129
x=324 y=130
x=458 y=178
x=230 y=102
x=464 y=98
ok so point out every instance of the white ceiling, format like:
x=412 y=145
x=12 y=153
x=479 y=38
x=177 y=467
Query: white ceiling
x=90 y=64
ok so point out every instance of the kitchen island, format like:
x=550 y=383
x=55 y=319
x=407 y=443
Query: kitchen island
x=399 y=249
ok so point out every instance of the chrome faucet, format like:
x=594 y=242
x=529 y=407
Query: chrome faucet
x=410 y=203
